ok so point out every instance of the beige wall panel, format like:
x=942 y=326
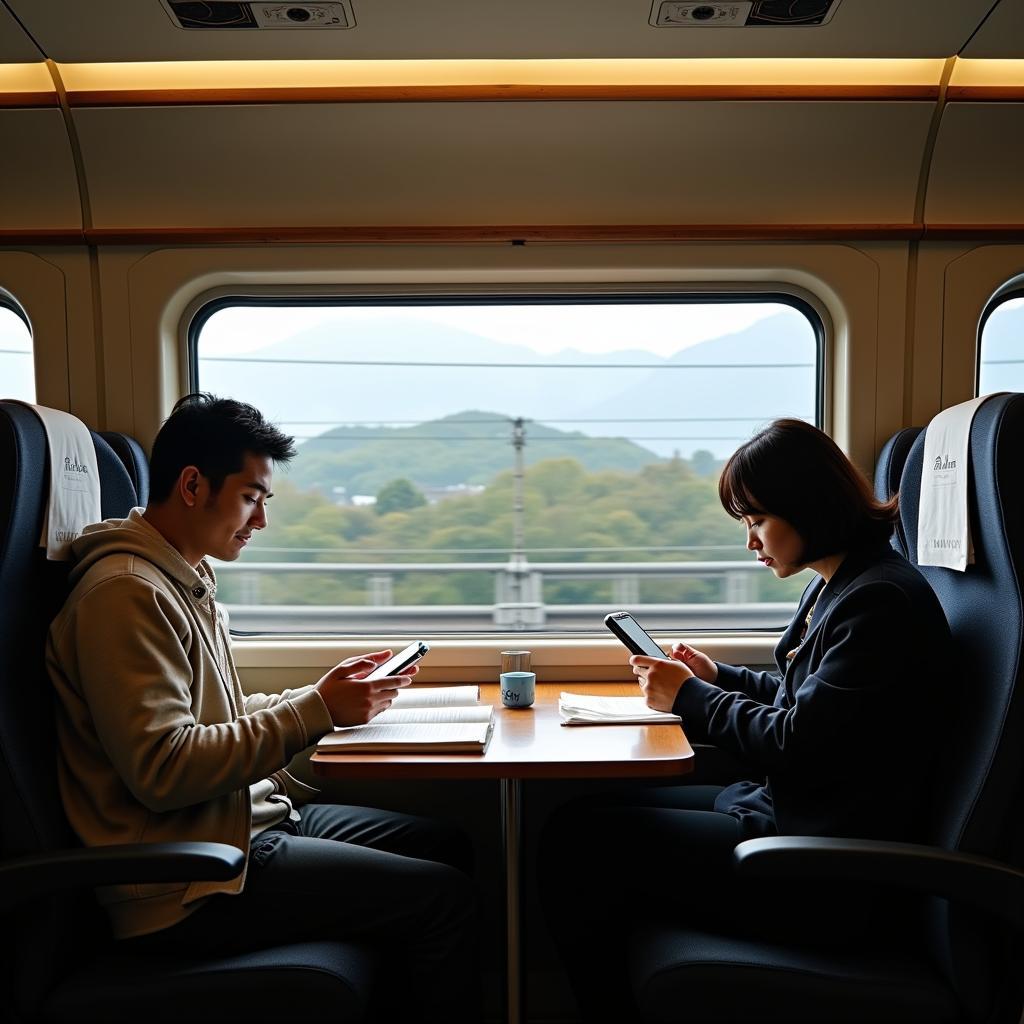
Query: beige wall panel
x=38 y=188
x=112 y=30
x=15 y=46
x=85 y=385
x=892 y=261
x=494 y=163
x=976 y=167
x=1002 y=34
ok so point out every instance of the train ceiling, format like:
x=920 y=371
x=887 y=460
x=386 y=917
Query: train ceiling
x=110 y=143
x=143 y=30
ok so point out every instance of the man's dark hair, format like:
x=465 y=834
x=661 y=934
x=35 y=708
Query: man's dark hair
x=795 y=471
x=214 y=435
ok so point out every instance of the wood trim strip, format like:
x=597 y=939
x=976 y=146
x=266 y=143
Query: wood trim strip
x=507 y=234
x=15 y=100
x=491 y=93
x=987 y=93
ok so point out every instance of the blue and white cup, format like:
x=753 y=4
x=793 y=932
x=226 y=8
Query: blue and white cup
x=518 y=689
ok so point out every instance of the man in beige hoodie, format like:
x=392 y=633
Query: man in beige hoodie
x=158 y=743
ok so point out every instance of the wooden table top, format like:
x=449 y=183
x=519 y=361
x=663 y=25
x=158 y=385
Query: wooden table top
x=531 y=743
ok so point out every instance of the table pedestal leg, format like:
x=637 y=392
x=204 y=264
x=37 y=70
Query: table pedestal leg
x=511 y=828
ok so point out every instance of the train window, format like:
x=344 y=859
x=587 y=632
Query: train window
x=1000 y=349
x=502 y=465
x=17 y=371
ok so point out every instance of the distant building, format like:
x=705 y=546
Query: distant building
x=436 y=494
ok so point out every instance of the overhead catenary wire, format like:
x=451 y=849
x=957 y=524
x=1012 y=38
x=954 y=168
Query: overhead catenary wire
x=392 y=364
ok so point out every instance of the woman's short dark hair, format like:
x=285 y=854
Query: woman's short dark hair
x=795 y=471
x=214 y=435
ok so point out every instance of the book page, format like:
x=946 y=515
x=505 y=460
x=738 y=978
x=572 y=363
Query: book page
x=405 y=716
x=582 y=709
x=436 y=696
x=411 y=736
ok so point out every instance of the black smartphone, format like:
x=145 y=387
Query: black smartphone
x=397 y=663
x=633 y=635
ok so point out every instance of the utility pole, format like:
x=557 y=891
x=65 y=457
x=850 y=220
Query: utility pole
x=518 y=527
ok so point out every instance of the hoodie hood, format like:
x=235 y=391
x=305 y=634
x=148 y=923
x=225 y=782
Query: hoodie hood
x=133 y=536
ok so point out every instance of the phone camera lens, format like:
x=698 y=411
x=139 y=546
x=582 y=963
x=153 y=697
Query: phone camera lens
x=702 y=13
x=297 y=14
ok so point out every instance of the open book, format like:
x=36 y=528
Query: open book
x=583 y=709
x=421 y=720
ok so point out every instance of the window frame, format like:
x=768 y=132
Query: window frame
x=599 y=294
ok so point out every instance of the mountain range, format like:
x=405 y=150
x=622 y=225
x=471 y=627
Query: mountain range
x=309 y=399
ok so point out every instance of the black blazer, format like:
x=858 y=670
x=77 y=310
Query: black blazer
x=845 y=731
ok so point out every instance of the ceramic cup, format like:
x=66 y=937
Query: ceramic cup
x=517 y=689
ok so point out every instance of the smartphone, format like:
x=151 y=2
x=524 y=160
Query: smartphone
x=633 y=635
x=397 y=663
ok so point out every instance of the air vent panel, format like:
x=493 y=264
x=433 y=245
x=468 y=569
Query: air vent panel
x=220 y=14
x=788 y=13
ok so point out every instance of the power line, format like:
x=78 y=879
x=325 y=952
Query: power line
x=15 y=351
x=512 y=366
x=496 y=551
x=406 y=438
x=539 y=420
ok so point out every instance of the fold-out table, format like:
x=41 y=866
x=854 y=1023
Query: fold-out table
x=531 y=743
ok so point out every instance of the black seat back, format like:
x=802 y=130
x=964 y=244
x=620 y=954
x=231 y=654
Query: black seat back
x=981 y=759
x=888 y=471
x=32 y=591
x=134 y=460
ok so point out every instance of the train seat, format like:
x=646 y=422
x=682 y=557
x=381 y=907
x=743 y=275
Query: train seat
x=961 y=962
x=64 y=965
x=134 y=460
x=888 y=471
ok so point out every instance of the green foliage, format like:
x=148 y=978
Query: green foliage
x=466 y=448
x=659 y=512
x=398 y=496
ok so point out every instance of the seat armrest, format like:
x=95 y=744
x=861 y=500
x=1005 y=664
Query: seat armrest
x=26 y=878
x=977 y=882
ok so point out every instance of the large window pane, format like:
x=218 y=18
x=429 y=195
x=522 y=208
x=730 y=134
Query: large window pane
x=1001 y=349
x=509 y=466
x=17 y=373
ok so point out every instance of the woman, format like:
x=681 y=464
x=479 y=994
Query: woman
x=835 y=739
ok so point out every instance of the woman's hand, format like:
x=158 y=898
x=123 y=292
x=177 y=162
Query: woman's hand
x=696 y=661
x=660 y=680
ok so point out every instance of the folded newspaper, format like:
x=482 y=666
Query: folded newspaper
x=584 y=709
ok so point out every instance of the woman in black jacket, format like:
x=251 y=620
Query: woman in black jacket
x=836 y=740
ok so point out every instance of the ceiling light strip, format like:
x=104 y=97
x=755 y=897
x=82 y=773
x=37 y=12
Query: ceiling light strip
x=487 y=80
x=990 y=80
x=26 y=85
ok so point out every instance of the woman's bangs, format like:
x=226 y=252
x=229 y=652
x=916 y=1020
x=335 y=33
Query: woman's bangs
x=734 y=490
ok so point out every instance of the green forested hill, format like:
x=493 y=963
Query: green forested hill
x=467 y=448
x=570 y=515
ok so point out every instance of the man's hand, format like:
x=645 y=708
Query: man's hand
x=353 y=700
x=660 y=680
x=696 y=661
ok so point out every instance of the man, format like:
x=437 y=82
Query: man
x=158 y=742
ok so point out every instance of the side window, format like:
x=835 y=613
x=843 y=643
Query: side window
x=1001 y=346
x=494 y=465
x=17 y=372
